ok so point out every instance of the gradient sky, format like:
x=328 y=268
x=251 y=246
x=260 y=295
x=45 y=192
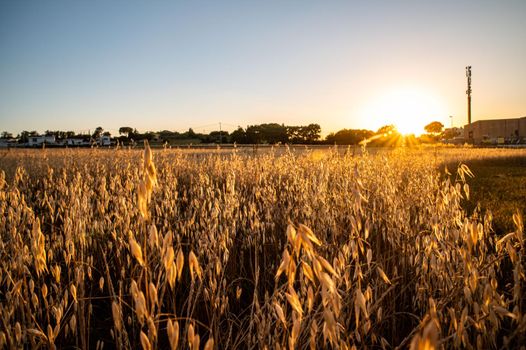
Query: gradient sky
x=153 y=65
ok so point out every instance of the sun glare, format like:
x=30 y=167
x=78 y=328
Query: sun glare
x=408 y=109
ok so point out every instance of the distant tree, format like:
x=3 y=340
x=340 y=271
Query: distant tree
x=434 y=127
x=294 y=134
x=23 y=136
x=387 y=135
x=150 y=135
x=303 y=134
x=106 y=133
x=169 y=136
x=98 y=132
x=238 y=136
x=59 y=135
x=6 y=135
x=267 y=133
x=216 y=137
x=191 y=133
x=125 y=130
x=386 y=129
x=311 y=133
x=348 y=136
x=254 y=134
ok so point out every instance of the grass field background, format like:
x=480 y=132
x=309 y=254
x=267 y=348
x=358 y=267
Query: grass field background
x=286 y=248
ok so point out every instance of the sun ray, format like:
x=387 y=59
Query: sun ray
x=409 y=109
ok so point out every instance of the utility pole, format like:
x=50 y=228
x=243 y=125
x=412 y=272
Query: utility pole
x=451 y=118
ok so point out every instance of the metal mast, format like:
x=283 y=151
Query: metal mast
x=468 y=92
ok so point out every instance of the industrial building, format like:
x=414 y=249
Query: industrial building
x=496 y=131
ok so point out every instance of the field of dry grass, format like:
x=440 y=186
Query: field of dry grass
x=282 y=249
x=499 y=186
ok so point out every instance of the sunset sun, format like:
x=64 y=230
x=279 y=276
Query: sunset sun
x=409 y=109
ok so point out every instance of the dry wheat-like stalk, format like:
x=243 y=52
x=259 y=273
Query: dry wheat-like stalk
x=286 y=248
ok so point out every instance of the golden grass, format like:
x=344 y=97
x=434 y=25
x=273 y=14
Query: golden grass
x=280 y=249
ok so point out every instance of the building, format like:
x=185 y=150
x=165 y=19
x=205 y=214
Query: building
x=77 y=142
x=497 y=131
x=34 y=141
x=104 y=140
x=453 y=136
x=9 y=142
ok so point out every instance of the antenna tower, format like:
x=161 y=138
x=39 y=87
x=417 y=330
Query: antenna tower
x=468 y=92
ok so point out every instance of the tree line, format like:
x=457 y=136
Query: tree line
x=267 y=133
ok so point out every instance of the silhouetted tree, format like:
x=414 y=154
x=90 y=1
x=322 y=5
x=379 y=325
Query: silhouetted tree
x=191 y=134
x=267 y=133
x=386 y=129
x=313 y=132
x=387 y=135
x=294 y=134
x=23 y=136
x=253 y=134
x=216 y=137
x=434 y=127
x=239 y=136
x=125 y=130
x=98 y=132
x=348 y=136
x=59 y=134
x=303 y=134
x=6 y=135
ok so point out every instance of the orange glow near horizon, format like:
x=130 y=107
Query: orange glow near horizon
x=408 y=109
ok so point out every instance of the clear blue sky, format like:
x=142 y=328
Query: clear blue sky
x=153 y=65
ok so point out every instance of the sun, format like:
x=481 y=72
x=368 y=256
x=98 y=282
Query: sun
x=409 y=109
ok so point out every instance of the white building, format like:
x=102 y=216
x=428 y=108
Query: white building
x=5 y=143
x=34 y=141
x=104 y=140
x=76 y=142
